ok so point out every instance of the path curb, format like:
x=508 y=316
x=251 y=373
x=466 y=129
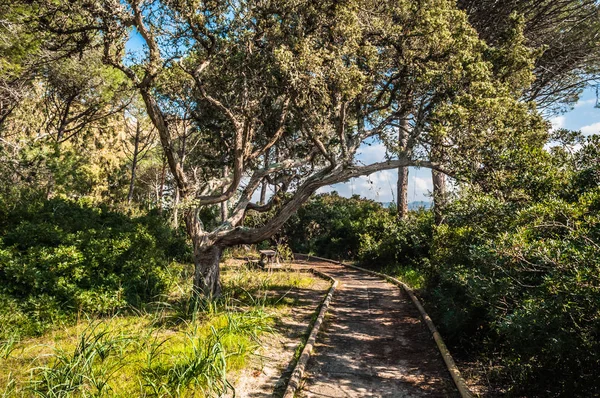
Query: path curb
x=459 y=381
x=298 y=371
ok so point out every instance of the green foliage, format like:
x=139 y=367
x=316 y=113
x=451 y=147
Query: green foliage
x=60 y=257
x=330 y=225
x=528 y=288
x=387 y=242
x=561 y=30
x=522 y=280
x=86 y=369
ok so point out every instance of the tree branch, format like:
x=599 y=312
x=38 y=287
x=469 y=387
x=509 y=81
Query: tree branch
x=327 y=176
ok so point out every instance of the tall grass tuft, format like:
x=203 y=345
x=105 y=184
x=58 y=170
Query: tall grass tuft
x=10 y=387
x=204 y=366
x=8 y=346
x=86 y=370
x=224 y=340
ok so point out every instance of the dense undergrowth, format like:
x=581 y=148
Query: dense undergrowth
x=61 y=258
x=511 y=277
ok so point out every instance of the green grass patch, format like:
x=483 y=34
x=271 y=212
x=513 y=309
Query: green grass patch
x=163 y=350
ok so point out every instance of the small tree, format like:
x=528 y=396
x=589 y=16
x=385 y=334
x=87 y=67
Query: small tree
x=286 y=92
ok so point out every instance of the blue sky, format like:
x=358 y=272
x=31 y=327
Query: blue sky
x=381 y=186
x=584 y=116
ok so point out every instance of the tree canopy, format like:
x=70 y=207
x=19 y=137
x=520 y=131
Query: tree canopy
x=284 y=93
x=565 y=31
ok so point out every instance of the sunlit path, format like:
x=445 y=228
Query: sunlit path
x=373 y=344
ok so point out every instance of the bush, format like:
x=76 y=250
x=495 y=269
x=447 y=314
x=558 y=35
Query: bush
x=525 y=284
x=329 y=225
x=387 y=242
x=60 y=257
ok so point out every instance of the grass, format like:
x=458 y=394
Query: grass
x=165 y=350
x=411 y=276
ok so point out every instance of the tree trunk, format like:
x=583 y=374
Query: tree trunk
x=182 y=154
x=176 y=208
x=207 y=271
x=136 y=148
x=263 y=194
x=161 y=191
x=402 y=192
x=263 y=188
x=439 y=195
x=402 y=187
x=207 y=256
x=224 y=204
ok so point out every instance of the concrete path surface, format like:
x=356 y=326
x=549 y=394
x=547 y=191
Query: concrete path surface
x=373 y=344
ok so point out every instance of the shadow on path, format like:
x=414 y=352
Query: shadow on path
x=373 y=344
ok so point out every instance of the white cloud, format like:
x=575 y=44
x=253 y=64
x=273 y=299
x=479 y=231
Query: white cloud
x=423 y=185
x=582 y=103
x=371 y=154
x=591 y=129
x=558 y=122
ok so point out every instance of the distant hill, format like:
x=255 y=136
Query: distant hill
x=411 y=205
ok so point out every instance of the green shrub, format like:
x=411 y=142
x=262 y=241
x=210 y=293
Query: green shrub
x=60 y=257
x=392 y=244
x=329 y=225
x=525 y=284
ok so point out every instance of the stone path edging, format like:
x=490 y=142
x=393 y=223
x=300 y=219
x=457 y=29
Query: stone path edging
x=459 y=381
x=298 y=371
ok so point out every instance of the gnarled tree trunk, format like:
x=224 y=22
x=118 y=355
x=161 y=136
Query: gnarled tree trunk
x=207 y=271
x=207 y=257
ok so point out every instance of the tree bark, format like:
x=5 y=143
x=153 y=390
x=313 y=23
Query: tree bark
x=439 y=195
x=402 y=192
x=207 y=272
x=207 y=257
x=402 y=187
x=176 y=208
x=263 y=188
x=136 y=148
x=177 y=192
x=224 y=204
x=161 y=191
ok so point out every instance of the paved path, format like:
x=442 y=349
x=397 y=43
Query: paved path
x=373 y=344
